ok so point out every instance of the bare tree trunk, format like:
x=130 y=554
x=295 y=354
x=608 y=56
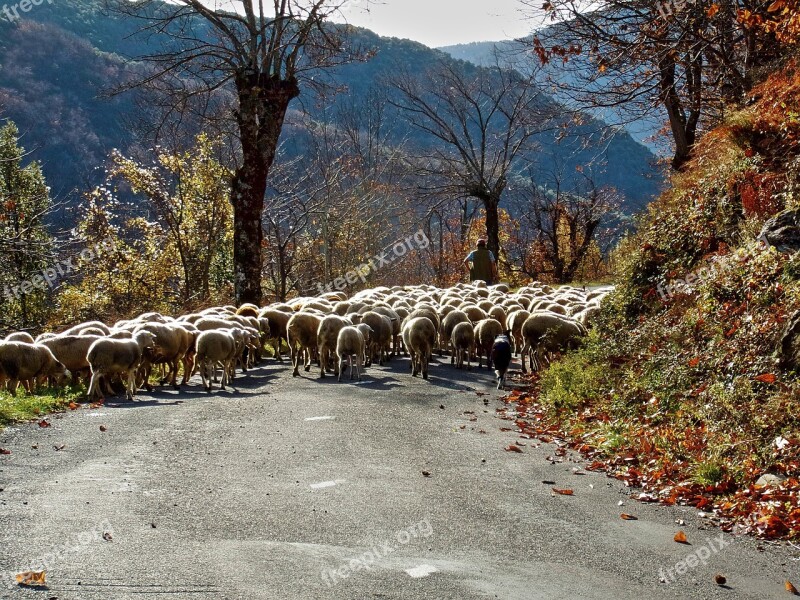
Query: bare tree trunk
x=262 y=108
x=492 y=226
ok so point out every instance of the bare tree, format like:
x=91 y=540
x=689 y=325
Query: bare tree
x=482 y=121
x=558 y=226
x=687 y=58
x=258 y=56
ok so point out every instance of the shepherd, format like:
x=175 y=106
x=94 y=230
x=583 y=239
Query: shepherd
x=481 y=264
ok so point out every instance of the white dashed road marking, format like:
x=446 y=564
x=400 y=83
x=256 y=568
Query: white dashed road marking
x=325 y=418
x=421 y=571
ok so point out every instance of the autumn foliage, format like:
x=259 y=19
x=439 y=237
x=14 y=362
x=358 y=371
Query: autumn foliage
x=677 y=393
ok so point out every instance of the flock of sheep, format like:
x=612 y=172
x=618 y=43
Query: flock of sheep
x=467 y=320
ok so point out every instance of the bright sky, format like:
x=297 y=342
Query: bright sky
x=440 y=22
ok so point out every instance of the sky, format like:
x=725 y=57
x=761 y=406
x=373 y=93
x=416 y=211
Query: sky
x=438 y=23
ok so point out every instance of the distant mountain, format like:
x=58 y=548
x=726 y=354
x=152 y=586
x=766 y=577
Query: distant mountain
x=57 y=64
x=483 y=54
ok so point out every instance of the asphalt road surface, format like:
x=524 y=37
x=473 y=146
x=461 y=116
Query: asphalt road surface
x=299 y=488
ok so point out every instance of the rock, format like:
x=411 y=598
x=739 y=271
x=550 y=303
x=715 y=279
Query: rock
x=789 y=351
x=770 y=479
x=782 y=231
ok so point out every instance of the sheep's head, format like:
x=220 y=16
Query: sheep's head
x=146 y=341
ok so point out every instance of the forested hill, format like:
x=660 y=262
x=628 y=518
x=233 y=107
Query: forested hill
x=57 y=64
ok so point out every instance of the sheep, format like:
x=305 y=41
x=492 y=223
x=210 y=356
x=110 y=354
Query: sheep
x=544 y=332
x=419 y=337
x=514 y=324
x=382 y=335
x=501 y=357
x=20 y=336
x=21 y=361
x=449 y=322
x=173 y=342
x=499 y=314
x=349 y=342
x=247 y=310
x=462 y=338
x=72 y=352
x=485 y=333
x=474 y=313
x=215 y=346
x=301 y=335
x=327 y=334
x=109 y=356
x=278 y=320
x=74 y=330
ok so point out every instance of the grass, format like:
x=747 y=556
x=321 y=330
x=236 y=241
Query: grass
x=24 y=406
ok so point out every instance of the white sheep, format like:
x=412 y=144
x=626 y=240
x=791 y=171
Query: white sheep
x=29 y=363
x=327 y=334
x=545 y=332
x=349 y=343
x=485 y=333
x=301 y=335
x=108 y=356
x=215 y=346
x=419 y=337
x=20 y=336
x=462 y=339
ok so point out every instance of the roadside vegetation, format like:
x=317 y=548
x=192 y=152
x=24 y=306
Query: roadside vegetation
x=677 y=389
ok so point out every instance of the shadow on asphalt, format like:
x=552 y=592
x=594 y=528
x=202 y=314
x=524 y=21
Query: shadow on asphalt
x=392 y=375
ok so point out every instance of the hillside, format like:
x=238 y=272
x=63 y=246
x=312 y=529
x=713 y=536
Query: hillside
x=686 y=387
x=58 y=64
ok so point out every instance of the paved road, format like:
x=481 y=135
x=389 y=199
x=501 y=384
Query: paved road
x=273 y=490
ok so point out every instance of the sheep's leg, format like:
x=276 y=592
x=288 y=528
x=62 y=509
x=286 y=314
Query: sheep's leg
x=358 y=366
x=524 y=355
x=93 y=387
x=323 y=360
x=308 y=353
x=226 y=365
x=426 y=356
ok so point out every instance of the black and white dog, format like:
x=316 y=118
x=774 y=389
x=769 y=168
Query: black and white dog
x=501 y=357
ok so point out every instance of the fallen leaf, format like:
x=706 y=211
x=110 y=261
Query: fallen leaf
x=37 y=578
x=712 y=10
x=74 y=406
x=426 y=473
x=513 y=448
x=628 y=517
x=563 y=492
x=107 y=536
x=680 y=537
x=44 y=423
x=694 y=362
x=766 y=378
x=103 y=428
x=59 y=447
x=720 y=579
x=548 y=482
x=791 y=589
x=4 y=451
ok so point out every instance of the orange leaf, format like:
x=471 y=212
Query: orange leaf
x=791 y=589
x=36 y=578
x=712 y=10
x=513 y=448
x=74 y=406
x=680 y=537
x=694 y=362
x=776 y=6
x=44 y=423
x=4 y=451
x=766 y=378
x=563 y=492
x=628 y=517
